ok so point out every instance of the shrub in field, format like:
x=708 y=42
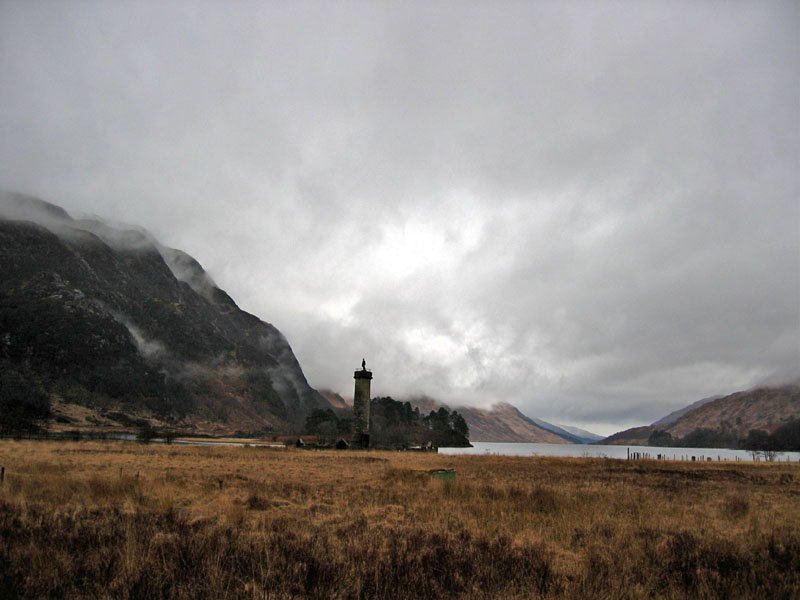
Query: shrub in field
x=735 y=507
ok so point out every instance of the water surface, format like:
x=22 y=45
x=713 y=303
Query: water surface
x=591 y=450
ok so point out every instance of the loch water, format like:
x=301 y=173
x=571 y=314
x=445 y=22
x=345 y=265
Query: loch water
x=623 y=452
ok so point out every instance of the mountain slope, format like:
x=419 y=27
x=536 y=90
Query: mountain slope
x=677 y=414
x=505 y=423
x=764 y=408
x=635 y=436
x=335 y=400
x=110 y=320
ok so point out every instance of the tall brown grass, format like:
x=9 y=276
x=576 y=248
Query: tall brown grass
x=121 y=520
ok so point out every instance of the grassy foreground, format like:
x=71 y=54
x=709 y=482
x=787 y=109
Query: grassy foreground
x=123 y=520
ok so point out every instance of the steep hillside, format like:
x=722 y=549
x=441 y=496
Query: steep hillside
x=764 y=408
x=118 y=329
x=635 y=436
x=335 y=399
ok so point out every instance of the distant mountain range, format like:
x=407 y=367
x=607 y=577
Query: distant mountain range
x=581 y=436
x=765 y=408
x=122 y=331
x=505 y=423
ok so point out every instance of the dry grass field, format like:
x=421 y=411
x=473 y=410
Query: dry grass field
x=125 y=520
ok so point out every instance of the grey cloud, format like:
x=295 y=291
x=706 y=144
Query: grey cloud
x=588 y=209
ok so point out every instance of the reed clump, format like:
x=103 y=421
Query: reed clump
x=117 y=520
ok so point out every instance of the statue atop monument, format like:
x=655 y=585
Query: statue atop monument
x=363 y=364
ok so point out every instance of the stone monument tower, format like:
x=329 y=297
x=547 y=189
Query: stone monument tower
x=361 y=407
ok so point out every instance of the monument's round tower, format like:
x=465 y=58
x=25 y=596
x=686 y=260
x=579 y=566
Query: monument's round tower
x=363 y=378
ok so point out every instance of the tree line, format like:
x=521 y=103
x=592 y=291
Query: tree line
x=24 y=407
x=785 y=438
x=393 y=424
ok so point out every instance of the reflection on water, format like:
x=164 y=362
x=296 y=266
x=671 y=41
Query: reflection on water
x=587 y=451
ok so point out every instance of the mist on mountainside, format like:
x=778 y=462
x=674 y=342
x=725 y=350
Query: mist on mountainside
x=111 y=321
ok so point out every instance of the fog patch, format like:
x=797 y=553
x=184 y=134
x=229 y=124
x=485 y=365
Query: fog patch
x=277 y=346
x=148 y=348
x=124 y=237
x=188 y=270
x=21 y=207
x=285 y=382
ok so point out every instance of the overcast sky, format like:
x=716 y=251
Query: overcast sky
x=590 y=210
